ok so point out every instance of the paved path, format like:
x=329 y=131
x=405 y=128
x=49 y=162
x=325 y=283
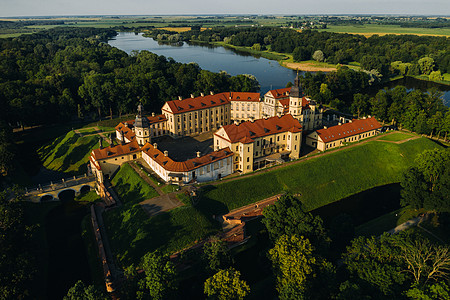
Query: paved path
x=156 y=205
x=406 y=225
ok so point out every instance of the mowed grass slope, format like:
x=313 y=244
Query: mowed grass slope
x=132 y=233
x=321 y=180
x=68 y=153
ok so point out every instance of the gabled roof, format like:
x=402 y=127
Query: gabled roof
x=184 y=166
x=202 y=102
x=242 y=96
x=348 y=129
x=279 y=93
x=117 y=150
x=247 y=131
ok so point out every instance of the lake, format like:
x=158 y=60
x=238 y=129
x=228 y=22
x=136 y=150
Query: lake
x=268 y=72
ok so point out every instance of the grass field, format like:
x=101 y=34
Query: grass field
x=132 y=233
x=321 y=180
x=131 y=187
x=372 y=29
x=68 y=153
x=396 y=137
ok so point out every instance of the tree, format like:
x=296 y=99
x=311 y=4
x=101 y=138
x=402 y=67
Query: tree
x=295 y=266
x=378 y=262
x=436 y=291
x=380 y=104
x=414 y=190
x=432 y=163
x=287 y=217
x=81 y=291
x=216 y=253
x=318 y=55
x=426 y=65
x=226 y=284
x=159 y=281
x=435 y=76
x=360 y=104
x=425 y=261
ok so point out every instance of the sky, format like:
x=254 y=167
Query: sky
x=14 y=8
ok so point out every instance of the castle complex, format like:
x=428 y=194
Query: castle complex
x=247 y=132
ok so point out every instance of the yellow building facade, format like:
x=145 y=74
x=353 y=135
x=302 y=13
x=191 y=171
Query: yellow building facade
x=254 y=142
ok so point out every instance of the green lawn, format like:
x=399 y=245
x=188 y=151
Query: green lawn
x=397 y=136
x=321 y=180
x=369 y=29
x=131 y=187
x=68 y=153
x=132 y=233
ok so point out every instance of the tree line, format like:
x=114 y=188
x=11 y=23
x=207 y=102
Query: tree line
x=375 y=52
x=65 y=73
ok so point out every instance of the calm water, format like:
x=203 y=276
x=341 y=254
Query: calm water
x=268 y=72
x=66 y=250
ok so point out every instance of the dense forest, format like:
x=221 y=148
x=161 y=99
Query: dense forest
x=63 y=73
x=375 y=52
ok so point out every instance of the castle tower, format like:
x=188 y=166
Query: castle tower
x=141 y=127
x=295 y=99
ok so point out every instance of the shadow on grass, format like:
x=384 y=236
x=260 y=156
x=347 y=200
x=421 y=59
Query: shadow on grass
x=77 y=154
x=207 y=206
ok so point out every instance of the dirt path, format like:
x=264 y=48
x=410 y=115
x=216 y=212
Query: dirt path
x=400 y=142
x=98 y=131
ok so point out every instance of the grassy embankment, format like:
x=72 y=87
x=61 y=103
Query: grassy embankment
x=372 y=29
x=321 y=180
x=132 y=233
x=68 y=153
x=396 y=136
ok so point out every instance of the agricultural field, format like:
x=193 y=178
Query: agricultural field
x=132 y=233
x=321 y=180
x=372 y=29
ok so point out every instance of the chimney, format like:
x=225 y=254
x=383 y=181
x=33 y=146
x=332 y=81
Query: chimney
x=192 y=96
x=370 y=116
x=126 y=124
x=350 y=121
x=201 y=94
x=100 y=143
x=211 y=93
x=325 y=127
x=166 y=153
x=122 y=141
x=153 y=114
x=364 y=117
x=198 y=153
x=339 y=123
x=155 y=145
x=179 y=98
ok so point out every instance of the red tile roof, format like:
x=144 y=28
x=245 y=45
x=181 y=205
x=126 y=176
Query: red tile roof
x=348 y=129
x=285 y=104
x=279 y=93
x=197 y=103
x=241 y=96
x=117 y=150
x=185 y=166
x=247 y=131
x=127 y=130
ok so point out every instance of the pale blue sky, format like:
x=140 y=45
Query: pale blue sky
x=154 y=7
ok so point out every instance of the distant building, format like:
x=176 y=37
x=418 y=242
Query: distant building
x=335 y=136
x=292 y=100
x=253 y=142
x=245 y=106
x=212 y=166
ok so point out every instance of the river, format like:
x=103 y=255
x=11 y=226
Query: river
x=270 y=74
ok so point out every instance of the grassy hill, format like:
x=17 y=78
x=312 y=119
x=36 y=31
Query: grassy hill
x=132 y=233
x=68 y=153
x=321 y=180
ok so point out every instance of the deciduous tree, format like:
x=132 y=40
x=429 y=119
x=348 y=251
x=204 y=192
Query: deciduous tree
x=226 y=284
